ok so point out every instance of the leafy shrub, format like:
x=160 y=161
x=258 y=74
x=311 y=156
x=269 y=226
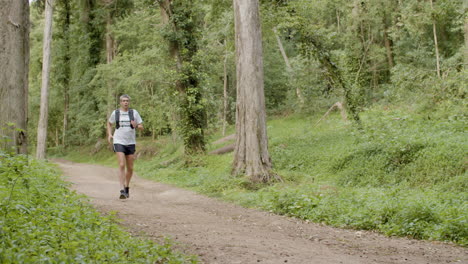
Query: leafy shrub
x=392 y=150
x=42 y=221
x=416 y=214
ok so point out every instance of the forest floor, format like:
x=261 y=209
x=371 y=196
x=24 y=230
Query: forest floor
x=219 y=232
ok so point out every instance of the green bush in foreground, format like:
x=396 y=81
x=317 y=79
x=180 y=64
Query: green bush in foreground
x=42 y=221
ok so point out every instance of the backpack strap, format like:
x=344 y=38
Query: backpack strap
x=132 y=118
x=117 y=119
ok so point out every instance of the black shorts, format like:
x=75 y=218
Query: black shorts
x=126 y=149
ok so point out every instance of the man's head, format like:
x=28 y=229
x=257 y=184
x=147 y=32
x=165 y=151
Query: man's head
x=124 y=101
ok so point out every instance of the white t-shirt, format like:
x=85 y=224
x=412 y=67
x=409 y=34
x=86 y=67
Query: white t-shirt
x=125 y=135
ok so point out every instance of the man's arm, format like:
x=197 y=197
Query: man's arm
x=135 y=125
x=138 y=122
x=109 y=133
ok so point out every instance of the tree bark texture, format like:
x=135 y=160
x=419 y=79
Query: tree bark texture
x=44 y=108
x=251 y=150
x=14 y=65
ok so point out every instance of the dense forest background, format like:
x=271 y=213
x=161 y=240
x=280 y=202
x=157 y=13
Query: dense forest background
x=395 y=164
x=409 y=54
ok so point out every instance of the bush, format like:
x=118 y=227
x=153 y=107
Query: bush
x=42 y=221
x=394 y=211
x=394 y=149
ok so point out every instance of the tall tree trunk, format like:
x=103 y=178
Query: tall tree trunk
x=288 y=65
x=93 y=29
x=434 y=31
x=109 y=59
x=44 y=109
x=66 y=74
x=166 y=14
x=225 y=94
x=465 y=50
x=192 y=111
x=14 y=65
x=251 y=152
x=66 y=106
x=338 y=22
x=388 y=48
x=57 y=140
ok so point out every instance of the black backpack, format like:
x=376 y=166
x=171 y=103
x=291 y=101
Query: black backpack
x=117 y=118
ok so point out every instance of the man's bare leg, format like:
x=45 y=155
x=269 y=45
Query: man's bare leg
x=121 y=161
x=129 y=174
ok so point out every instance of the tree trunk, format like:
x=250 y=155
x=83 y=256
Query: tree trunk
x=109 y=58
x=44 y=111
x=465 y=50
x=192 y=111
x=66 y=104
x=434 y=30
x=14 y=62
x=225 y=94
x=166 y=14
x=388 y=48
x=338 y=22
x=66 y=80
x=57 y=140
x=288 y=66
x=251 y=152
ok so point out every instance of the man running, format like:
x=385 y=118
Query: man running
x=126 y=120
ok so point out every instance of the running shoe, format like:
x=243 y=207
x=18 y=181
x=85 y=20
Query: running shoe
x=123 y=195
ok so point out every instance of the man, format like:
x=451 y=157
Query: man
x=126 y=122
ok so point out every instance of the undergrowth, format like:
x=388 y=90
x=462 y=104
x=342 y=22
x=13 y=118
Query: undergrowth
x=42 y=221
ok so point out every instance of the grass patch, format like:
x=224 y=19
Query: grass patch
x=42 y=221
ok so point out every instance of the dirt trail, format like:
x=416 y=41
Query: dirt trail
x=219 y=232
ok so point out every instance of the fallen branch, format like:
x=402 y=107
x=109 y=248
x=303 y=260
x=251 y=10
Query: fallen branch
x=224 y=139
x=336 y=105
x=98 y=146
x=223 y=150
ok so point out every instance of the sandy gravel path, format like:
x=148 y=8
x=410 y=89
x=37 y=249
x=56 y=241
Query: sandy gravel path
x=219 y=232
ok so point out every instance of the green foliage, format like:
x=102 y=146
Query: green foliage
x=182 y=33
x=42 y=221
x=421 y=214
x=7 y=132
x=394 y=148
